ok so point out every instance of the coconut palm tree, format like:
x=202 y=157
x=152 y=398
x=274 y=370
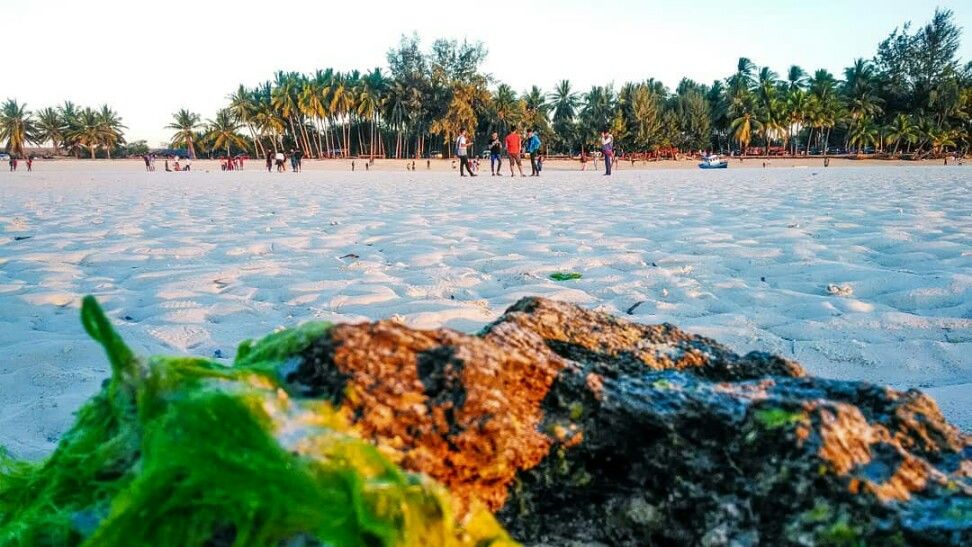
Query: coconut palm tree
x=796 y=78
x=536 y=105
x=769 y=108
x=17 y=126
x=564 y=102
x=396 y=112
x=341 y=93
x=597 y=111
x=110 y=126
x=798 y=104
x=506 y=107
x=51 y=128
x=863 y=133
x=243 y=106
x=283 y=98
x=185 y=124
x=902 y=129
x=69 y=114
x=372 y=87
x=86 y=131
x=223 y=131
x=311 y=104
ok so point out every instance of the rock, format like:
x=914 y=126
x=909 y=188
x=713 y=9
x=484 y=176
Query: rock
x=574 y=425
x=180 y=451
x=840 y=290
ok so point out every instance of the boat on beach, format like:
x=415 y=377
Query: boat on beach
x=713 y=162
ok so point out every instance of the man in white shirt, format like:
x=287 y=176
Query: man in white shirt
x=607 y=147
x=462 y=150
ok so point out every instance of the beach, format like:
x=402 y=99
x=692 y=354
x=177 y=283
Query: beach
x=860 y=271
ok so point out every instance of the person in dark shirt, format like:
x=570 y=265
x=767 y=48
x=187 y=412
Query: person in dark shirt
x=298 y=159
x=495 y=161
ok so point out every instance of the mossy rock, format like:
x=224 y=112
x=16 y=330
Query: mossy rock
x=184 y=451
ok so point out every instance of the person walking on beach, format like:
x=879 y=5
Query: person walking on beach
x=280 y=158
x=269 y=161
x=30 y=163
x=295 y=160
x=495 y=161
x=148 y=162
x=462 y=150
x=607 y=148
x=513 y=146
x=533 y=148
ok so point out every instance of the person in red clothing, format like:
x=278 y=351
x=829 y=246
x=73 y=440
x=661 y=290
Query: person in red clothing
x=513 y=145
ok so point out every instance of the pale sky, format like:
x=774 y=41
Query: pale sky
x=149 y=62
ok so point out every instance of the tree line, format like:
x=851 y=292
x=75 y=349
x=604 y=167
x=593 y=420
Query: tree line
x=913 y=97
x=69 y=128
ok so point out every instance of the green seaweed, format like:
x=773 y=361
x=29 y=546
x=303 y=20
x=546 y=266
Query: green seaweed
x=184 y=451
x=776 y=418
x=565 y=276
x=662 y=384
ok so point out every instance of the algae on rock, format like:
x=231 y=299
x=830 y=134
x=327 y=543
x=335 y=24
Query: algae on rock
x=185 y=451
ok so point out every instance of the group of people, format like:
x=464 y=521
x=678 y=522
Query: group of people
x=234 y=163
x=14 y=161
x=178 y=163
x=279 y=160
x=149 y=160
x=515 y=145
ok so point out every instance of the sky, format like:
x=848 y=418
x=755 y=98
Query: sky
x=148 y=63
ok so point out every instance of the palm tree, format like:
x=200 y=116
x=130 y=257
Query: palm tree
x=743 y=112
x=743 y=128
x=863 y=133
x=798 y=108
x=770 y=108
x=565 y=103
x=283 y=98
x=341 y=105
x=185 y=124
x=396 y=112
x=311 y=104
x=17 y=126
x=796 y=78
x=902 y=128
x=86 y=131
x=597 y=111
x=826 y=107
x=51 y=127
x=222 y=131
x=69 y=114
x=372 y=87
x=939 y=139
x=243 y=106
x=109 y=126
x=505 y=106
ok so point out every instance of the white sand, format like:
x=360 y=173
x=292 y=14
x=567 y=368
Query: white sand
x=196 y=262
